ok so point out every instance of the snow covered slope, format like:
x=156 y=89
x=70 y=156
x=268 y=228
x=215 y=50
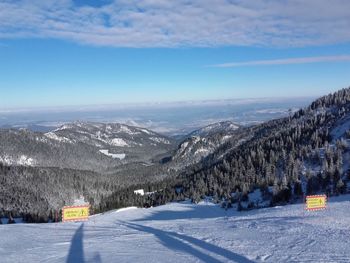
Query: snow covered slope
x=183 y=232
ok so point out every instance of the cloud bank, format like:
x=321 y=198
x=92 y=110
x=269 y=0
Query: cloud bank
x=180 y=23
x=287 y=61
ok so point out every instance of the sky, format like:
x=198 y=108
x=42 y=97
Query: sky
x=87 y=52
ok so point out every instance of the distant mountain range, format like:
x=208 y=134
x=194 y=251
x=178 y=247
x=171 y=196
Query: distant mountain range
x=171 y=119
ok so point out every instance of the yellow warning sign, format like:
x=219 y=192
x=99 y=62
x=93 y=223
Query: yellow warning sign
x=316 y=202
x=75 y=213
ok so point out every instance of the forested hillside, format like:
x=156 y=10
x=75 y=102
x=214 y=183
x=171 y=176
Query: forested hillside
x=286 y=158
x=302 y=154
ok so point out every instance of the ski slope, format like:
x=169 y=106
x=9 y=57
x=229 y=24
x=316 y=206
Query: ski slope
x=183 y=232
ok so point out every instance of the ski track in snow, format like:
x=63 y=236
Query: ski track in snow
x=183 y=232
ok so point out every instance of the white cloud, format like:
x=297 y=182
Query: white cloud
x=160 y=23
x=287 y=61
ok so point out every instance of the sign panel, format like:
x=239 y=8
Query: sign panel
x=316 y=202
x=75 y=213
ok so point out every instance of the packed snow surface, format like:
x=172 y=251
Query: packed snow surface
x=183 y=232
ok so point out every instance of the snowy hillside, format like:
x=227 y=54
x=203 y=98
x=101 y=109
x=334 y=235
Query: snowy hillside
x=82 y=145
x=183 y=232
x=107 y=135
x=200 y=143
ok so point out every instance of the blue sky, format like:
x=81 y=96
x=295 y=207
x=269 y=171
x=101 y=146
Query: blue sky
x=66 y=52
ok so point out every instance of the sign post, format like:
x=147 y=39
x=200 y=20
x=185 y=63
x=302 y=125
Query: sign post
x=75 y=213
x=316 y=202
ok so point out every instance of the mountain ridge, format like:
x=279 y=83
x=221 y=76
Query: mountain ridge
x=82 y=145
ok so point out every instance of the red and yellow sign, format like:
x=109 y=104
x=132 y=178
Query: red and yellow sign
x=316 y=202
x=75 y=213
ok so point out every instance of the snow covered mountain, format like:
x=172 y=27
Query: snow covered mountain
x=82 y=145
x=201 y=143
x=108 y=135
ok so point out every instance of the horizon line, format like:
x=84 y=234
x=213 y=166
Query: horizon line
x=110 y=106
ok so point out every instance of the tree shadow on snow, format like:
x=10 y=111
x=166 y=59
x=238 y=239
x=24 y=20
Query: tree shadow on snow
x=76 y=251
x=187 y=244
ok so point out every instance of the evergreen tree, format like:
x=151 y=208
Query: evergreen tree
x=10 y=219
x=298 y=190
x=340 y=187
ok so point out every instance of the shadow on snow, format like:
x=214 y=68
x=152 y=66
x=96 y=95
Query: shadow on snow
x=76 y=251
x=180 y=242
x=193 y=212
